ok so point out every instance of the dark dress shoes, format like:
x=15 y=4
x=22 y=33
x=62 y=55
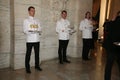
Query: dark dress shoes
x=67 y=61
x=61 y=62
x=38 y=68
x=28 y=71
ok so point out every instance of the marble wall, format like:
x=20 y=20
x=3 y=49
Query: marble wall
x=48 y=11
x=4 y=33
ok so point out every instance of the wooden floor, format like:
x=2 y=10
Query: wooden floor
x=76 y=70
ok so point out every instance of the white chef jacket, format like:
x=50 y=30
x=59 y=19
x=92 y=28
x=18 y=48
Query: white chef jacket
x=86 y=27
x=63 y=24
x=34 y=25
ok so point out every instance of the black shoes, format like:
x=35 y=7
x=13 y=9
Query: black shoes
x=61 y=62
x=28 y=71
x=66 y=61
x=38 y=68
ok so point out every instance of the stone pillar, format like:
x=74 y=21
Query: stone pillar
x=4 y=33
x=12 y=41
x=102 y=17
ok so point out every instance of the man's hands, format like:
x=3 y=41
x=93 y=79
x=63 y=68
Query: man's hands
x=35 y=31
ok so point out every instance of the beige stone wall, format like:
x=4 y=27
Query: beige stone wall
x=4 y=33
x=48 y=11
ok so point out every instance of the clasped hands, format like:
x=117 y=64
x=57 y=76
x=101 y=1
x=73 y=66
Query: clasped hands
x=35 y=31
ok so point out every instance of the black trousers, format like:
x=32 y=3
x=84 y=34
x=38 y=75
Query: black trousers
x=87 y=45
x=62 y=50
x=111 y=56
x=28 y=54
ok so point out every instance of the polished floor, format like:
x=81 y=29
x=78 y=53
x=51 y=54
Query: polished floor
x=76 y=70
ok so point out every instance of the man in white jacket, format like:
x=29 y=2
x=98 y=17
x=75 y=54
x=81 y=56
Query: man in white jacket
x=63 y=30
x=86 y=27
x=32 y=29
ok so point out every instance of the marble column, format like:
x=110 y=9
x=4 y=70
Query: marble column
x=4 y=33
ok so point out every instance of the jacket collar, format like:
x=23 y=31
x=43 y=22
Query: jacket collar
x=30 y=17
x=63 y=19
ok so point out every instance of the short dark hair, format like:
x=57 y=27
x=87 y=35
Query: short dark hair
x=31 y=7
x=63 y=11
x=88 y=12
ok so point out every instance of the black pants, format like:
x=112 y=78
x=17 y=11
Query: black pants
x=28 y=54
x=62 y=50
x=87 y=45
x=111 y=56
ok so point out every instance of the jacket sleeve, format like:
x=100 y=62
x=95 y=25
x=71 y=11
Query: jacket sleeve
x=58 y=27
x=25 y=28
x=81 y=27
x=39 y=26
